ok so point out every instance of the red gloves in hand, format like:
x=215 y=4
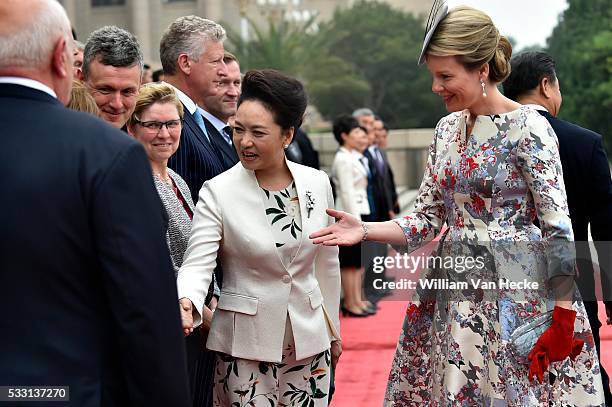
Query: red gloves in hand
x=555 y=344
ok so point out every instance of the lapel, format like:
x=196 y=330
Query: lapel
x=197 y=131
x=228 y=153
x=252 y=188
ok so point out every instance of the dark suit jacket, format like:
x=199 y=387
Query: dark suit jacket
x=87 y=291
x=229 y=156
x=301 y=150
x=378 y=184
x=389 y=183
x=586 y=174
x=196 y=160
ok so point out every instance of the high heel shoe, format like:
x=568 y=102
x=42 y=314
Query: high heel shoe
x=347 y=312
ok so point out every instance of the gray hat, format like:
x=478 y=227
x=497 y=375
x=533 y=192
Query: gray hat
x=438 y=11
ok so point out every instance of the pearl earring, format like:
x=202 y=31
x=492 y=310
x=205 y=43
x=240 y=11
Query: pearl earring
x=484 y=91
x=286 y=146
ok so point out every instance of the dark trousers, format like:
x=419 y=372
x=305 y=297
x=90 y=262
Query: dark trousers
x=201 y=369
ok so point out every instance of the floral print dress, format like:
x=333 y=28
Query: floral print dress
x=246 y=383
x=489 y=187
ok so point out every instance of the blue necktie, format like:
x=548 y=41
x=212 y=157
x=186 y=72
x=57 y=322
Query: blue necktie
x=200 y=121
x=227 y=134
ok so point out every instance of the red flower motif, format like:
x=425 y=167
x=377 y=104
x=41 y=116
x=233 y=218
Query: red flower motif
x=478 y=203
x=472 y=165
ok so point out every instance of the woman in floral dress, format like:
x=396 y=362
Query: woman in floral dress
x=493 y=170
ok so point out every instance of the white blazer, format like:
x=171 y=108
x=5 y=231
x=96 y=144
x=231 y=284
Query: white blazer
x=230 y=226
x=351 y=181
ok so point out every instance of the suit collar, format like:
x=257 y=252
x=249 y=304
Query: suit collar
x=189 y=104
x=20 y=91
x=30 y=83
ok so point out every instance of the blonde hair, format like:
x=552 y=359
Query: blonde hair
x=470 y=35
x=81 y=99
x=152 y=93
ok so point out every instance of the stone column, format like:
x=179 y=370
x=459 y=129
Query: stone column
x=141 y=27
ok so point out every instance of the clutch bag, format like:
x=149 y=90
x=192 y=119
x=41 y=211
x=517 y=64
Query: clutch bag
x=524 y=337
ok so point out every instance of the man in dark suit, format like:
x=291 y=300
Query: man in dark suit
x=194 y=75
x=220 y=107
x=586 y=174
x=380 y=204
x=381 y=132
x=87 y=290
x=191 y=52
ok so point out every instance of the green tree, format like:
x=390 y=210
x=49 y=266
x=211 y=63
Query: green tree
x=582 y=47
x=366 y=56
x=284 y=46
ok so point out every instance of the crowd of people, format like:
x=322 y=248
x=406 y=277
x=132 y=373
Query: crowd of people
x=170 y=239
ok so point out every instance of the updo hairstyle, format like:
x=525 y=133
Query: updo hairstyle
x=282 y=95
x=470 y=35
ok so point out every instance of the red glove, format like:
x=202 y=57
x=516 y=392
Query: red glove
x=555 y=344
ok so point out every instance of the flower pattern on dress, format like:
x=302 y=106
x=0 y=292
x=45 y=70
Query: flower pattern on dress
x=488 y=187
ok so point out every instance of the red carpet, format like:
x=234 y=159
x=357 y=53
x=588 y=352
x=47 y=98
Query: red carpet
x=369 y=346
x=368 y=349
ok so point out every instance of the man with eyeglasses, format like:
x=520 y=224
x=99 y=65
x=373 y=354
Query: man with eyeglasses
x=112 y=71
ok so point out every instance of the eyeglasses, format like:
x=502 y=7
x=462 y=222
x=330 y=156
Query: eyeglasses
x=157 y=126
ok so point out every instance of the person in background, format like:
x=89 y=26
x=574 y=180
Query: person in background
x=493 y=168
x=78 y=57
x=382 y=132
x=349 y=174
x=533 y=81
x=112 y=68
x=302 y=151
x=81 y=100
x=158 y=75
x=191 y=52
x=86 y=289
x=147 y=74
x=217 y=110
x=257 y=216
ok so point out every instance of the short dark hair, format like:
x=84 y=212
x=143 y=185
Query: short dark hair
x=157 y=75
x=229 y=57
x=527 y=70
x=282 y=95
x=344 y=124
x=112 y=46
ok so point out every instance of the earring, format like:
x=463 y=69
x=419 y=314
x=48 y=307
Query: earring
x=286 y=146
x=484 y=91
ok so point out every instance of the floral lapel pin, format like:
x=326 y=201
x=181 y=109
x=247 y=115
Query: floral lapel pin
x=310 y=202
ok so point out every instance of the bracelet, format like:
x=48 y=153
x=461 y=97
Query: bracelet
x=365 y=231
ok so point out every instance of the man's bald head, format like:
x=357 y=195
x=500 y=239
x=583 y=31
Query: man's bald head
x=34 y=36
x=29 y=30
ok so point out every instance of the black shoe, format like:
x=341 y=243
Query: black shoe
x=349 y=313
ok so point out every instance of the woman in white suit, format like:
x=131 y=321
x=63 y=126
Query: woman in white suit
x=350 y=177
x=276 y=327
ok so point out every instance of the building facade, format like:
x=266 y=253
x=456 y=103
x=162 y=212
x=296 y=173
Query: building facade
x=148 y=19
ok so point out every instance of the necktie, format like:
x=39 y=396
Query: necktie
x=200 y=121
x=227 y=134
x=380 y=163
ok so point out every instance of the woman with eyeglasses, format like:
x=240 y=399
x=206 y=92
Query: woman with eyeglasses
x=156 y=122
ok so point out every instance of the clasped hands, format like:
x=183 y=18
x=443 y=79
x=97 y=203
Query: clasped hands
x=187 y=309
x=555 y=344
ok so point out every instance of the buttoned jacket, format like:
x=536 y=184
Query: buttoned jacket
x=259 y=292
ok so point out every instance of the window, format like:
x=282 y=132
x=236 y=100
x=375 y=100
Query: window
x=98 y=3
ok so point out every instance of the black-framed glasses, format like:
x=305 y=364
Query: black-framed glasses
x=152 y=125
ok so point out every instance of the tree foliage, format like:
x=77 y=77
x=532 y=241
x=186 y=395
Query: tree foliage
x=582 y=47
x=366 y=56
